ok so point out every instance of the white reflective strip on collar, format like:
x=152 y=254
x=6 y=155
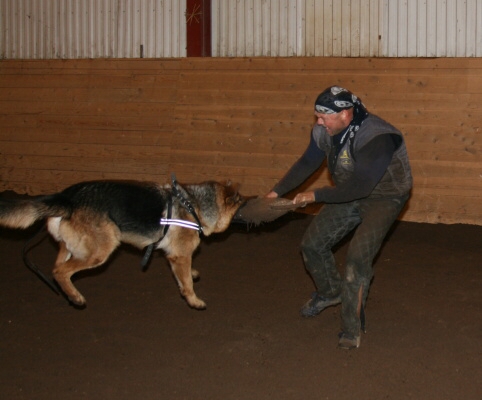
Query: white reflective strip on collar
x=179 y=222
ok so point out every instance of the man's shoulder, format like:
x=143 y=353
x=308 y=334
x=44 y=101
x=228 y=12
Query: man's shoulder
x=378 y=125
x=372 y=127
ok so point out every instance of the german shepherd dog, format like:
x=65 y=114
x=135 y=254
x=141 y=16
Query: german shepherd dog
x=91 y=219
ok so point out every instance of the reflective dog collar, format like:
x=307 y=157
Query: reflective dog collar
x=181 y=222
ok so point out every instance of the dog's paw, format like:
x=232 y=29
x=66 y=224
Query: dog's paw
x=196 y=303
x=78 y=300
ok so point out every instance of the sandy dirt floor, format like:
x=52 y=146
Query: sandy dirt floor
x=138 y=339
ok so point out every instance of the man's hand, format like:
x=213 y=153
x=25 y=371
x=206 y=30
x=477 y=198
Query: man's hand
x=304 y=197
x=271 y=195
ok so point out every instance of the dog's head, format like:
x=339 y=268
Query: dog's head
x=216 y=204
x=229 y=200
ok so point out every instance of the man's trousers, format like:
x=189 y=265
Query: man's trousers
x=371 y=219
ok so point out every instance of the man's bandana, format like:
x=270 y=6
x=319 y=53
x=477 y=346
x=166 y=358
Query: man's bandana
x=335 y=99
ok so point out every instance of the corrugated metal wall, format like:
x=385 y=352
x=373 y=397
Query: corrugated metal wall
x=34 y=29
x=258 y=28
x=242 y=28
x=347 y=28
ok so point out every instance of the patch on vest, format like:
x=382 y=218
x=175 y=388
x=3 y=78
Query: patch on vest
x=345 y=158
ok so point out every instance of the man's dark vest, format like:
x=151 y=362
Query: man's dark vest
x=397 y=180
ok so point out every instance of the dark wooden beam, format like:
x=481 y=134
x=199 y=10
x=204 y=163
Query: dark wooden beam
x=198 y=28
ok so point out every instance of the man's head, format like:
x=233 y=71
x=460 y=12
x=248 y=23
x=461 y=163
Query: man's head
x=335 y=107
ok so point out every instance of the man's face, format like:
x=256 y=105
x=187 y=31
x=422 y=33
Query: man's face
x=333 y=123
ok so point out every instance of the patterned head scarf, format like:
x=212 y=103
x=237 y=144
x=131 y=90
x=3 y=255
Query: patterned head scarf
x=335 y=99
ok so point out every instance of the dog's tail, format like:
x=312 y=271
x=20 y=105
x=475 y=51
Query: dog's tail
x=21 y=213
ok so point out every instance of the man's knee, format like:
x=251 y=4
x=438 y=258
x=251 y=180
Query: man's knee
x=357 y=274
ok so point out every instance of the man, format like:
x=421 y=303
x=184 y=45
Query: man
x=368 y=162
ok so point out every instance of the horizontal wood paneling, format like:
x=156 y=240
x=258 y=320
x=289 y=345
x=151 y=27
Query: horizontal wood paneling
x=64 y=122
x=241 y=119
x=253 y=117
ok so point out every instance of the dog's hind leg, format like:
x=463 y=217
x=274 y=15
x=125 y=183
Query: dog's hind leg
x=181 y=268
x=79 y=252
x=67 y=265
x=62 y=274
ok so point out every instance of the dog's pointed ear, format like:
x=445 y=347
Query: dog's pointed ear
x=232 y=195
x=230 y=186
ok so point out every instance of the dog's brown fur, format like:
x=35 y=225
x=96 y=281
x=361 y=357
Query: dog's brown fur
x=89 y=226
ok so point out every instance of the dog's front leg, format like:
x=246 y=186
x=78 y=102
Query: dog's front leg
x=181 y=268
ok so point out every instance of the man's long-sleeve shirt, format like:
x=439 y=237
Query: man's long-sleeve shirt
x=372 y=161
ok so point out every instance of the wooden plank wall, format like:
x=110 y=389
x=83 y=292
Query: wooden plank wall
x=62 y=122
x=249 y=119
x=246 y=119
